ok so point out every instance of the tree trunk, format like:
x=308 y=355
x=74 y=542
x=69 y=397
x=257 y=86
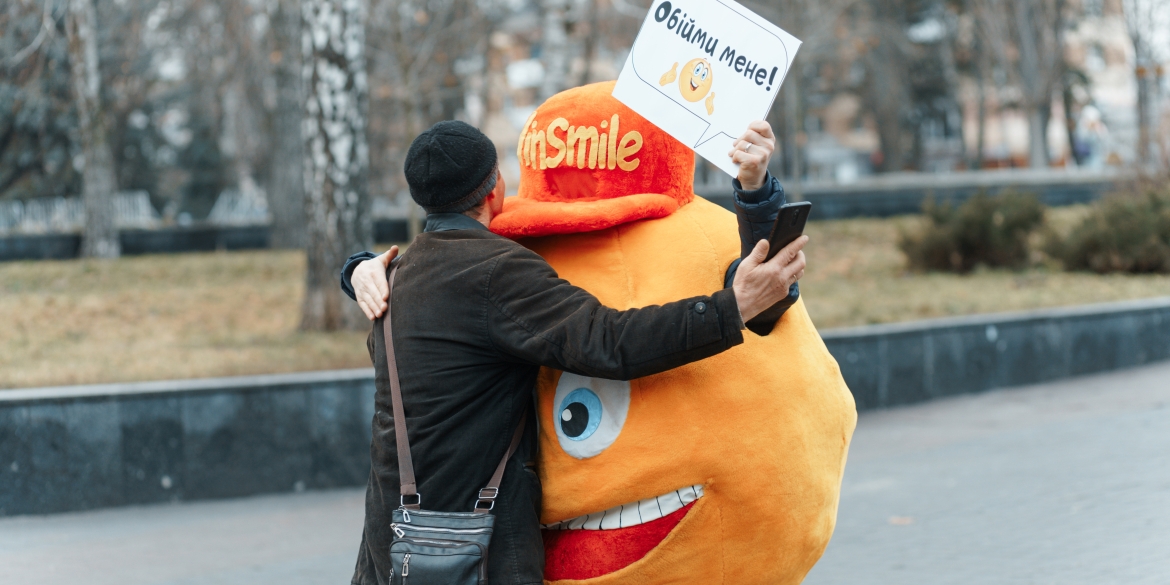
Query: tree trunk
x=415 y=122
x=1157 y=129
x=554 y=48
x=1037 y=153
x=887 y=94
x=1070 y=120
x=99 y=185
x=591 y=39
x=1036 y=95
x=1066 y=81
x=795 y=130
x=1144 y=153
x=336 y=156
x=981 y=131
x=951 y=78
x=286 y=192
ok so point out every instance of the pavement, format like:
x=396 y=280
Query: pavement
x=1063 y=483
x=296 y=539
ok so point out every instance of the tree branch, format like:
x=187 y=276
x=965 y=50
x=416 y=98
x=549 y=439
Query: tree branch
x=47 y=30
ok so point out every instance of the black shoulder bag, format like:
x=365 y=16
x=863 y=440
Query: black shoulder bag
x=436 y=548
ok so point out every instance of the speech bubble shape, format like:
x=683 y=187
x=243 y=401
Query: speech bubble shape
x=702 y=70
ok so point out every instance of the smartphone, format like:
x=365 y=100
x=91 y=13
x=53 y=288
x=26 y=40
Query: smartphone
x=789 y=226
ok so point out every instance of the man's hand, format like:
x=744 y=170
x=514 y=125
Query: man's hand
x=759 y=285
x=369 y=284
x=751 y=152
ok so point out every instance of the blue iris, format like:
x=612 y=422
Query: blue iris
x=580 y=414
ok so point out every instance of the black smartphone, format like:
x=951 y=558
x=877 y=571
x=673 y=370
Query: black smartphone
x=789 y=226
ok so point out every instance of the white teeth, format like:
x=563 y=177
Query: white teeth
x=633 y=514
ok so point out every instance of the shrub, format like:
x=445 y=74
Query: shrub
x=985 y=230
x=1123 y=233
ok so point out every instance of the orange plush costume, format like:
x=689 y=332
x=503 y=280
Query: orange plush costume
x=723 y=471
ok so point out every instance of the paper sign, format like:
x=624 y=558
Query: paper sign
x=702 y=70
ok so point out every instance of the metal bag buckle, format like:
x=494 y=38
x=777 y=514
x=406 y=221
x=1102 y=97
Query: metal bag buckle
x=487 y=495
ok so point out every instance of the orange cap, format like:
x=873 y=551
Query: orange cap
x=588 y=162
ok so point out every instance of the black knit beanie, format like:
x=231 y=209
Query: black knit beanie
x=451 y=167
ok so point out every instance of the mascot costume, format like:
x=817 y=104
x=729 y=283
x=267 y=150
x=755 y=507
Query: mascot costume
x=727 y=470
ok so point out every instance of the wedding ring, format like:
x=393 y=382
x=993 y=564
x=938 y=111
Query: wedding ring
x=748 y=147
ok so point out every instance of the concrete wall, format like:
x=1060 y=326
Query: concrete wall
x=137 y=241
x=81 y=447
x=903 y=363
x=170 y=240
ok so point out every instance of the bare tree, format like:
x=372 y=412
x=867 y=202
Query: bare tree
x=1142 y=19
x=554 y=47
x=887 y=91
x=815 y=22
x=1039 y=56
x=100 y=238
x=336 y=154
x=1024 y=37
x=224 y=92
x=982 y=66
x=286 y=193
x=412 y=58
x=589 y=50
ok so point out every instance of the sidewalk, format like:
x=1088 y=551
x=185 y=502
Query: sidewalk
x=298 y=539
x=1065 y=484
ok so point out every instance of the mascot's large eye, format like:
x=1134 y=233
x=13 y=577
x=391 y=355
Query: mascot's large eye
x=580 y=414
x=589 y=413
x=698 y=68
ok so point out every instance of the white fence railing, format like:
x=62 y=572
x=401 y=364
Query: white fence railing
x=133 y=209
x=46 y=215
x=240 y=207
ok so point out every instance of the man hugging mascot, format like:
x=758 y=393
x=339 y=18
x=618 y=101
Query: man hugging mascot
x=727 y=470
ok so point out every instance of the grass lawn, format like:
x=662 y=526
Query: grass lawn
x=223 y=314
x=857 y=276
x=159 y=317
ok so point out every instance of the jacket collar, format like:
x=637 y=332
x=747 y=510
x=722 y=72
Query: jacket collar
x=441 y=222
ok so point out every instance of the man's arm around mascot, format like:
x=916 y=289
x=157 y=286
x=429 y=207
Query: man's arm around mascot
x=476 y=315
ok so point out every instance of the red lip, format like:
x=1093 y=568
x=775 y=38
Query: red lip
x=585 y=554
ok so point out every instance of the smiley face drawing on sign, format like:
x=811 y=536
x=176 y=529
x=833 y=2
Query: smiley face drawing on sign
x=694 y=83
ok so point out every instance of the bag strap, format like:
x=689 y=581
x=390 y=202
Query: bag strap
x=409 y=488
x=488 y=494
x=405 y=464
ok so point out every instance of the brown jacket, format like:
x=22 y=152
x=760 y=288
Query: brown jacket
x=475 y=316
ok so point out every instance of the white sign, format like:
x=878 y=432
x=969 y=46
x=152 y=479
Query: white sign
x=702 y=70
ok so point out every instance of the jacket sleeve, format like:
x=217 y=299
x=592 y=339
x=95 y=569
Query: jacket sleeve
x=534 y=316
x=756 y=211
x=351 y=264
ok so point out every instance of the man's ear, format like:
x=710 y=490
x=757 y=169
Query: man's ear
x=496 y=203
x=500 y=188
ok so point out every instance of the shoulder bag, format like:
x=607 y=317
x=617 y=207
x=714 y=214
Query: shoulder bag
x=436 y=548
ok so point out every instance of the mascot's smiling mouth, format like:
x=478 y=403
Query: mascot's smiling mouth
x=602 y=542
